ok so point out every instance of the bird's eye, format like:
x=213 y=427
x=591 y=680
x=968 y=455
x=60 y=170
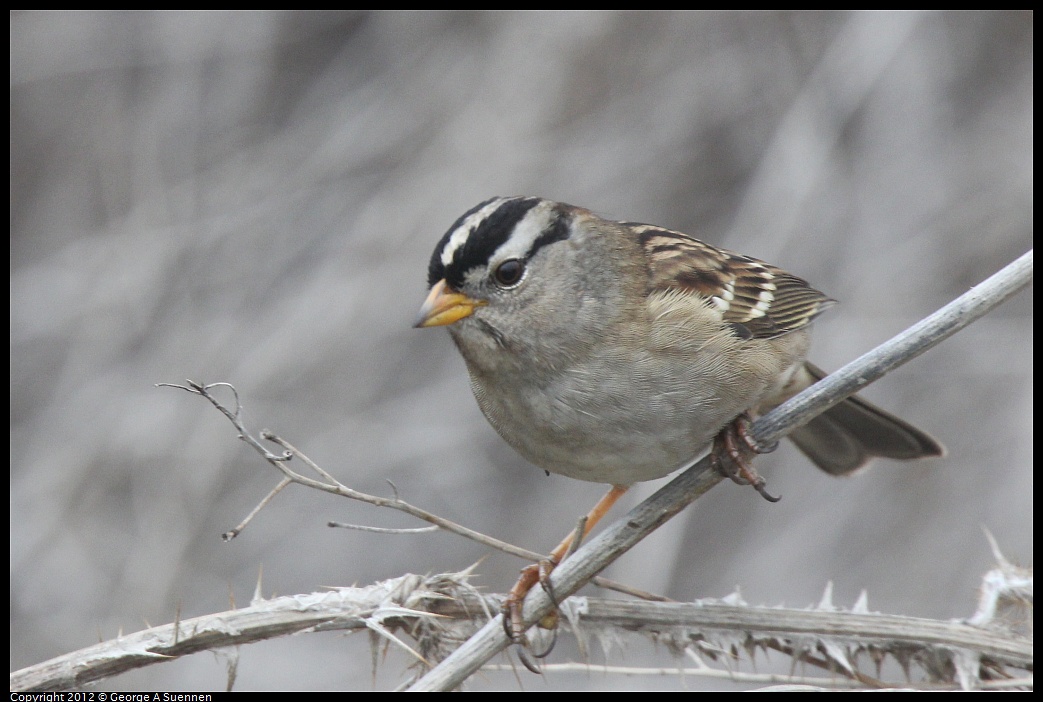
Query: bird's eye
x=509 y=272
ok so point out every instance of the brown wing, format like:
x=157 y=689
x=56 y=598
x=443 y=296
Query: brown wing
x=758 y=299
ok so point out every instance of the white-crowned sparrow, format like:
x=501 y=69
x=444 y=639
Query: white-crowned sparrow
x=617 y=352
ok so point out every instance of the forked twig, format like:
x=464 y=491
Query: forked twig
x=328 y=483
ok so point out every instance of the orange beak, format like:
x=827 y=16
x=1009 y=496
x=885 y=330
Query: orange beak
x=443 y=306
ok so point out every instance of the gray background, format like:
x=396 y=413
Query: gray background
x=253 y=197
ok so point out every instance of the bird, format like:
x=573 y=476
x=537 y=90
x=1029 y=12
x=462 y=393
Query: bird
x=618 y=352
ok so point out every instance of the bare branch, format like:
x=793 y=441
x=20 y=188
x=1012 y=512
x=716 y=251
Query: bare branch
x=904 y=347
x=229 y=535
x=332 y=485
x=329 y=483
x=382 y=530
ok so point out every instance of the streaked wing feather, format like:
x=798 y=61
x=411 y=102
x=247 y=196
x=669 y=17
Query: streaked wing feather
x=766 y=300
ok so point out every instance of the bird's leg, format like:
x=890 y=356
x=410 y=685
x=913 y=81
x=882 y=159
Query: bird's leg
x=540 y=572
x=733 y=449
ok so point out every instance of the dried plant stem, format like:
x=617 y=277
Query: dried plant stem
x=401 y=603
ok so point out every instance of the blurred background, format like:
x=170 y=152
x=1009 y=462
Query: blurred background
x=252 y=197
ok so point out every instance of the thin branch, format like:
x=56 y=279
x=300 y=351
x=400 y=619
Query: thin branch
x=382 y=530
x=293 y=451
x=331 y=484
x=627 y=531
x=334 y=486
x=229 y=535
x=922 y=336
